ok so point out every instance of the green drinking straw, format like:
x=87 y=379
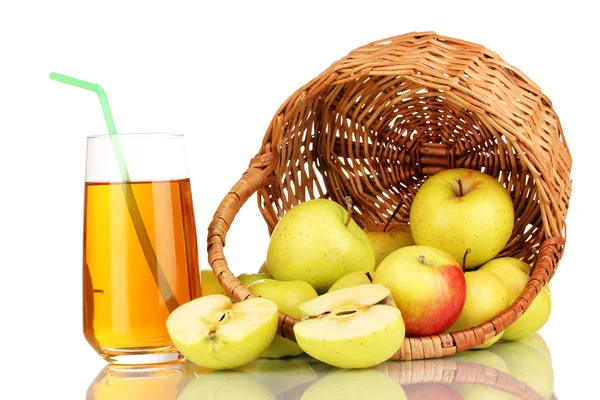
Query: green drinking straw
x=134 y=210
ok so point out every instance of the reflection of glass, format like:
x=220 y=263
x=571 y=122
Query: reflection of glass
x=163 y=382
x=140 y=249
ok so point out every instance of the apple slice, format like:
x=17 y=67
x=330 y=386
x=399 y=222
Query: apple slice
x=350 y=328
x=213 y=332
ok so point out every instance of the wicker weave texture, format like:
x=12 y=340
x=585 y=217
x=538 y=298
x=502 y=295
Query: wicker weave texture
x=378 y=122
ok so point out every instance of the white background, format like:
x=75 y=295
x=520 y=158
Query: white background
x=217 y=72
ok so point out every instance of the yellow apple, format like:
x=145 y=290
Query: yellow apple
x=225 y=385
x=428 y=286
x=263 y=268
x=460 y=209
x=393 y=238
x=288 y=295
x=247 y=279
x=486 y=298
x=527 y=364
x=213 y=332
x=210 y=283
x=312 y=243
x=352 y=279
x=350 y=328
x=354 y=385
x=515 y=281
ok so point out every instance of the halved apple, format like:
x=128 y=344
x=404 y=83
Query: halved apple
x=213 y=332
x=351 y=327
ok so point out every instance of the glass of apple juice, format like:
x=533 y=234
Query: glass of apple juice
x=140 y=254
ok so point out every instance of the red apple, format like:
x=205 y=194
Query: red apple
x=428 y=286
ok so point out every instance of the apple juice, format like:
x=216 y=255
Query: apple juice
x=131 y=284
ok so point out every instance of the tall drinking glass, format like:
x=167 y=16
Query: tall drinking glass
x=140 y=255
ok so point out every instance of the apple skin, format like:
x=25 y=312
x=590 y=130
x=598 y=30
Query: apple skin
x=288 y=295
x=486 y=298
x=247 y=279
x=263 y=269
x=311 y=243
x=209 y=283
x=429 y=391
x=213 y=332
x=527 y=364
x=515 y=280
x=352 y=279
x=481 y=220
x=431 y=295
x=384 y=243
x=349 y=384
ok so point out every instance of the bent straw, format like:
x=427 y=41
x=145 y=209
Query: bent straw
x=134 y=210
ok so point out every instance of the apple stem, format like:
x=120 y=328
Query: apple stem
x=349 y=207
x=422 y=259
x=369 y=277
x=464 y=264
x=211 y=334
x=460 y=187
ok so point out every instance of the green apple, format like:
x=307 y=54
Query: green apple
x=384 y=242
x=288 y=295
x=428 y=286
x=247 y=279
x=486 y=298
x=537 y=341
x=209 y=282
x=527 y=364
x=460 y=209
x=483 y=357
x=352 y=279
x=225 y=385
x=263 y=268
x=352 y=384
x=515 y=281
x=312 y=243
x=350 y=327
x=503 y=262
x=213 y=332
x=281 y=376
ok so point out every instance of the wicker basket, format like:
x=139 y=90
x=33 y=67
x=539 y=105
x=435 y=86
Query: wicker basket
x=378 y=122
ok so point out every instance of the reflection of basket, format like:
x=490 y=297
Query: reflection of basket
x=378 y=122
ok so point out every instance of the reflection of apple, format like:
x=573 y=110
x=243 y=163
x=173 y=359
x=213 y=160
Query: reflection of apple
x=537 y=341
x=247 y=279
x=515 y=280
x=210 y=284
x=352 y=279
x=287 y=295
x=354 y=384
x=312 y=243
x=225 y=385
x=483 y=357
x=527 y=364
x=347 y=328
x=213 y=332
x=429 y=391
x=475 y=391
x=428 y=286
x=281 y=375
x=393 y=238
x=460 y=209
x=486 y=298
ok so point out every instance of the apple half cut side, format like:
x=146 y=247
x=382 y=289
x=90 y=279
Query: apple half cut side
x=213 y=332
x=351 y=327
